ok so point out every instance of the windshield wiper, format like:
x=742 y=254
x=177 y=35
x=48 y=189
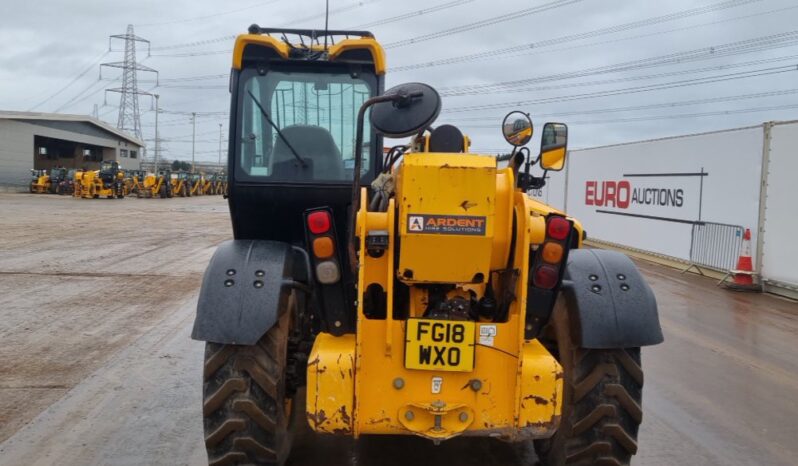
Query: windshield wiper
x=279 y=133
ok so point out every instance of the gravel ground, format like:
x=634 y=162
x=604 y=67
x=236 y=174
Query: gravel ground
x=96 y=367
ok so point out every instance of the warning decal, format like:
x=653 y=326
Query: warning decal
x=446 y=224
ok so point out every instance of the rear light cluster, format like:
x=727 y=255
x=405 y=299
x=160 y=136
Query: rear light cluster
x=548 y=263
x=321 y=236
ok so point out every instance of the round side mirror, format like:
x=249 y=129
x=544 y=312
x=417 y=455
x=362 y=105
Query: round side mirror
x=416 y=110
x=517 y=128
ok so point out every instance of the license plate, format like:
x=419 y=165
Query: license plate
x=440 y=345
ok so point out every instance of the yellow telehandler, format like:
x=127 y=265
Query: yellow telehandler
x=418 y=293
x=156 y=185
x=106 y=182
x=181 y=184
x=197 y=183
x=207 y=184
x=220 y=184
x=135 y=179
x=40 y=182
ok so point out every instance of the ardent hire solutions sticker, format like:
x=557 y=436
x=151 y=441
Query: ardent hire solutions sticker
x=446 y=224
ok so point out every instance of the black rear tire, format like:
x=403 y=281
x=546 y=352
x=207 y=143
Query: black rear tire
x=246 y=413
x=601 y=408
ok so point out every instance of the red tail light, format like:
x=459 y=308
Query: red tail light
x=558 y=228
x=546 y=276
x=319 y=222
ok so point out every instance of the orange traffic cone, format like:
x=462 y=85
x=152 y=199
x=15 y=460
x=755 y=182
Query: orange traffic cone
x=744 y=274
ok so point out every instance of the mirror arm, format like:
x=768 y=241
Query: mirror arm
x=518 y=160
x=398 y=99
x=506 y=157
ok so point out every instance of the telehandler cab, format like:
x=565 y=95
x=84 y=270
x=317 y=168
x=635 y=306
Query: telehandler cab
x=57 y=176
x=421 y=293
x=67 y=185
x=106 y=182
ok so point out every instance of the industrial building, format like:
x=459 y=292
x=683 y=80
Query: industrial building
x=30 y=140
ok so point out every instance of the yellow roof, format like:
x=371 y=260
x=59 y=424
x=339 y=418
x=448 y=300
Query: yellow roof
x=333 y=51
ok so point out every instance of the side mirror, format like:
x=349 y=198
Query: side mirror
x=405 y=109
x=517 y=128
x=553 y=146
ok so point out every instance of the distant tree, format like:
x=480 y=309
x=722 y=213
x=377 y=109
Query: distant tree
x=179 y=165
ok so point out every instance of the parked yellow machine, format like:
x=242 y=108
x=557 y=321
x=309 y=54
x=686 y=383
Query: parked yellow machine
x=219 y=184
x=418 y=293
x=40 y=182
x=106 y=182
x=181 y=184
x=135 y=179
x=207 y=184
x=197 y=182
x=155 y=185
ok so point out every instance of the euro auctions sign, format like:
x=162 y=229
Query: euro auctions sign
x=649 y=210
x=647 y=194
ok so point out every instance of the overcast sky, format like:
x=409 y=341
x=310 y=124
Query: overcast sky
x=726 y=58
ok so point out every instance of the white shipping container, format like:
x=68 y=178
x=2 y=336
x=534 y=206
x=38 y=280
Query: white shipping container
x=647 y=195
x=780 y=249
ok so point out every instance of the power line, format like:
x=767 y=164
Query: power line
x=198 y=18
x=231 y=37
x=682 y=116
x=412 y=14
x=333 y=11
x=483 y=23
x=187 y=137
x=456 y=93
x=687 y=115
x=192 y=54
x=631 y=90
x=648 y=88
x=463 y=28
x=636 y=78
x=73 y=81
x=195 y=86
x=683 y=14
x=82 y=95
x=734 y=48
x=683 y=103
x=196 y=43
x=202 y=77
x=198 y=114
x=189 y=141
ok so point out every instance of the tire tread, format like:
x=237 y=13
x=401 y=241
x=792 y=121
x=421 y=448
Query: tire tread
x=244 y=419
x=603 y=397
